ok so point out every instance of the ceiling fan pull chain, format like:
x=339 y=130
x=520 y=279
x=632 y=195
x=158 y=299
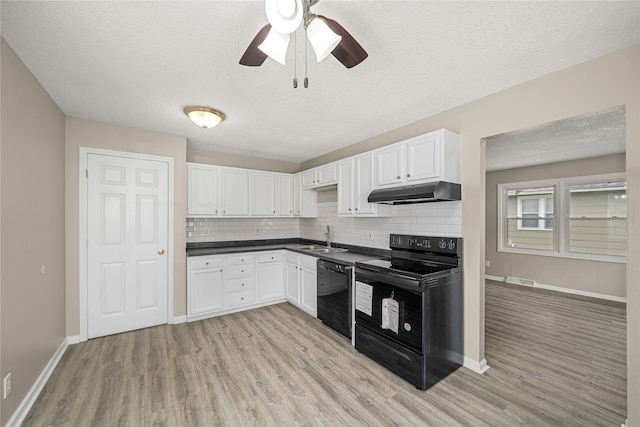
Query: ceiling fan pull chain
x=306 y=79
x=295 y=60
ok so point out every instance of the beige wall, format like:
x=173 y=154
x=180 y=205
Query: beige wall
x=238 y=161
x=33 y=229
x=605 y=82
x=600 y=277
x=86 y=133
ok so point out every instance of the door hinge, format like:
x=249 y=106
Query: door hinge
x=86 y=173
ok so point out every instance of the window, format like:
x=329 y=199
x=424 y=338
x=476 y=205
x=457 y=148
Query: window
x=582 y=217
x=530 y=217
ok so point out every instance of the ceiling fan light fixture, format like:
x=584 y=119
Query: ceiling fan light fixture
x=322 y=38
x=205 y=117
x=275 y=45
x=284 y=15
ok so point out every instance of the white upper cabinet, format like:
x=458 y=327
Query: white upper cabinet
x=284 y=195
x=356 y=177
x=308 y=178
x=203 y=190
x=263 y=196
x=345 y=187
x=390 y=162
x=219 y=191
x=430 y=157
x=321 y=176
x=326 y=175
x=235 y=192
x=305 y=202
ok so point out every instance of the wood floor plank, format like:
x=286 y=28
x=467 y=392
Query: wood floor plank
x=555 y=360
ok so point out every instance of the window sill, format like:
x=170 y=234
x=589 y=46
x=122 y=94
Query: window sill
x=569 y=255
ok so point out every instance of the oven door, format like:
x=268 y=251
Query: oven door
x=376 y=312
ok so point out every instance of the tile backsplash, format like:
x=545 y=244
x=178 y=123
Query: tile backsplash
x=440 y=219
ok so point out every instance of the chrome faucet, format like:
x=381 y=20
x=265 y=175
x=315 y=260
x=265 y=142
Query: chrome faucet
x=327 y=236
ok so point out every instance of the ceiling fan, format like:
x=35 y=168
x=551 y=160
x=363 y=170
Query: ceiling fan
x=325 y=35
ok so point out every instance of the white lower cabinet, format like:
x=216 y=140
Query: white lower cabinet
x=239 y=280
x=221 y=284
x=271 y=276
x=301 y=282
x=205 y=284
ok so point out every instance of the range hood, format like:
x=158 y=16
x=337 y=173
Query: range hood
x=440 y=191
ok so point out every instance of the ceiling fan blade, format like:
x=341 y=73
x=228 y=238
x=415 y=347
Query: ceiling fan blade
x=254 y=57
x=348 y=52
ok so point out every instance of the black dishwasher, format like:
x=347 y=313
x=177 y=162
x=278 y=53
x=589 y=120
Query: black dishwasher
x=334 y=296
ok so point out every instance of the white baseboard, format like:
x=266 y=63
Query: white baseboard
x=179 y=319
x=561 y=289
x=73 y=340
x=479 y=367
x=25 y=406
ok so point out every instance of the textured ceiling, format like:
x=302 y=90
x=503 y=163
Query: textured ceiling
x=592 y=135
x=138 y=63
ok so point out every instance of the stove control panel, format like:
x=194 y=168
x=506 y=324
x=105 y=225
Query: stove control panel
x=450 y=245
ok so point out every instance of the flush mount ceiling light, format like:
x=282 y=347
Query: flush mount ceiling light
x=204 y=117
x=325 y=35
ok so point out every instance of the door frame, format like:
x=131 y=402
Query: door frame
x=82 y=242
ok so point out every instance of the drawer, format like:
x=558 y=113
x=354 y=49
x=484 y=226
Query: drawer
x=238 y=271
x=241 y=259
x=205 y=262
x=271 y=257
x=239 y=285
x=240 y=298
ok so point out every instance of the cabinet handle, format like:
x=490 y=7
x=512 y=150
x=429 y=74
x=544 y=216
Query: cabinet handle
x=206 y=263
x=398 y=177
x=160 y=251
x=216 y=210
x=242 y=299
x=271 y=257
x=408 y=175
x=349 y=209
x=242 y=284
x=356 y=208
x=274 y=211
x=220 y=270
x=241 y=271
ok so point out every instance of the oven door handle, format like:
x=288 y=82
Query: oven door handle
x=389 y=278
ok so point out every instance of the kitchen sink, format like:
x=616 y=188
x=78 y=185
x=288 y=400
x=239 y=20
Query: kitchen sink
x=328 y=250
x=322 y=249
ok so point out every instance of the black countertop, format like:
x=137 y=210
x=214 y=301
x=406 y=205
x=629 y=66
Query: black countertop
x=354 y=253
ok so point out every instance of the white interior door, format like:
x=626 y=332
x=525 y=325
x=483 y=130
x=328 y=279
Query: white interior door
x=127 y=236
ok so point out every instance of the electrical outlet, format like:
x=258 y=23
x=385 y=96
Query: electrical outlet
x=7 y=385
x=487 y=263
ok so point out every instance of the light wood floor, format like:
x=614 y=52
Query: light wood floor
x=555 y=360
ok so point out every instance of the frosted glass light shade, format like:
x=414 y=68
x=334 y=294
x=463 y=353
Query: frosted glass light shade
x=275 y=45
x=204 y=117
x=322 y=38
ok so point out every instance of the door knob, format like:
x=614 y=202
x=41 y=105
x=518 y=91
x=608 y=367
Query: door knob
x=160 y=251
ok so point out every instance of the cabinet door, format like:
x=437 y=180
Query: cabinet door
x=345 y=187
x=205 y=290
x=292 y=281
x=271 y=280
x=202 y=190
x=235 y=192
x=390 y=165
x=309 y=297
x=326 y=174
x=284 y=195
x=309 y=178
x=423 y=157
x=305 y=202
x=364 y=180
x=263 y=194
